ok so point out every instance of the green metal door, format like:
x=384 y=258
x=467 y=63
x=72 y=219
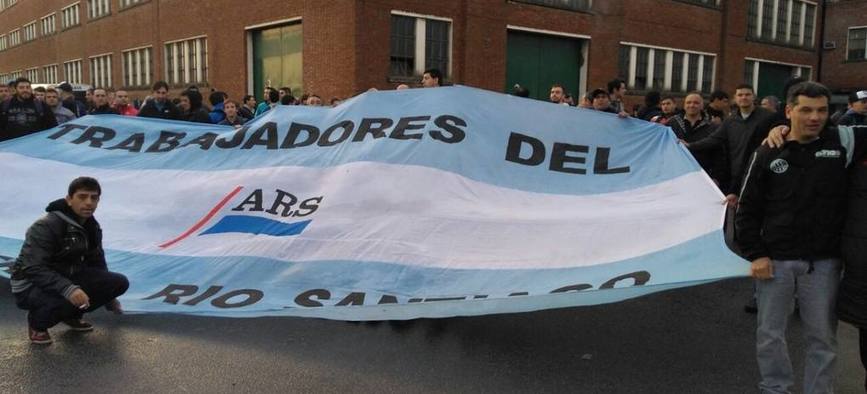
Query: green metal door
x=277 y=58
x=772 y=80
x=538 y=61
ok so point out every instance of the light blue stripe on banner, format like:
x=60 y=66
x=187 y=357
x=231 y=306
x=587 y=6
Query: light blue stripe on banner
x=256 y=225
x=282 y=284
x=591 y=145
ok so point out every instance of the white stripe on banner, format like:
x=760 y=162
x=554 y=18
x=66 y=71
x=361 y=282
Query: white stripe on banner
x=398 y=219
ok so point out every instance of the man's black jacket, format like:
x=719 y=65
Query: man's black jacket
x=793 y=200
x=56 y=247
x=739 y=137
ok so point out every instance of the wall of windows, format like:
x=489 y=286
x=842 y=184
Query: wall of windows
x=666 y=69
x=137 y=69
x=50 y=73
x=72 y=71
x=49 y=24
x=70 y=16
x=30 y=31
x=574 y=5
x=33 y=75
x=15 y=38
x=786 y=22
x=186 y=61
x=100 y=71
x=98 y=8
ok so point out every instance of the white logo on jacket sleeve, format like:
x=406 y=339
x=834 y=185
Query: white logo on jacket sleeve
x=779 y=166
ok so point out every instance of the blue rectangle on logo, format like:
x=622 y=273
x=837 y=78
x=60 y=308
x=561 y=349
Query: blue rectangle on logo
x=256 y=225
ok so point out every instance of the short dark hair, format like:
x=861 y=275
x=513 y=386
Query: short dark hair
x=19 y=80
x=596 y=93
x=160 y=85
x=792 y=82
x=745 y=86
x=557 y=85
x=273 y=96
x=614 y=84
x=83 y=183
x=247 y=98
x=286 y=90
x=40 y=89
x=668 y=97
x=807 y=89
x=217 y=97
x=287 y=99
x=233 y=102
x=719 y=95
x=435 y=73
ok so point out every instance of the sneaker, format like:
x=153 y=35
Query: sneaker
x=78 y=325
x=38 y=337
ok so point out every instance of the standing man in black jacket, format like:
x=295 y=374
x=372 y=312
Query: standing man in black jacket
x=23 y=114
x=61 y=272
x=693 y=125
x=739 y=134
x=789 y=219
x=159 y=106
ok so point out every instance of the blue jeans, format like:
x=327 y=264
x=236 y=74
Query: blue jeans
x=816 y=287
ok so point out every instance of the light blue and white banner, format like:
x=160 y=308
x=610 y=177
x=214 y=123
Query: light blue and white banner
x=394 y=205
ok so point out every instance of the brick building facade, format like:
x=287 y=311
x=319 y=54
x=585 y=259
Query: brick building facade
x=342 y=47
x=844 y=58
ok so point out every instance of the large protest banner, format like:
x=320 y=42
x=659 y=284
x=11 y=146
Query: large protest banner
x=395 y=205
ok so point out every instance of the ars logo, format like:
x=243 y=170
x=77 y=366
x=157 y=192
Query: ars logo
x=779 y=166
x=261 y=212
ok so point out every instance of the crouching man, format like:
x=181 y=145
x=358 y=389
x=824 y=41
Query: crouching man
x=61 y=272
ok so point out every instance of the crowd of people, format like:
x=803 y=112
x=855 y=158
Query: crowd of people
x=796 y=186
x=28 y=110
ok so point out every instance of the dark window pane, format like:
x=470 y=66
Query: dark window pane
x=437 y=46
x=659 y=69
x=767 y=19
x=782 y=20
x=748 y=71
x=623 y=61
x=857 y=44
x=753 y=19
x=795 y=37
x=402 y=45
x=574 y=5
x=707 y=74
x=641 y=68
x=692 y=73
x=677 y=72
x=808 y=25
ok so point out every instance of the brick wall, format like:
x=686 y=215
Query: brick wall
x=346 y=42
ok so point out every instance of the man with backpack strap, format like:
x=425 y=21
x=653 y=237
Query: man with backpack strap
x=23 y=114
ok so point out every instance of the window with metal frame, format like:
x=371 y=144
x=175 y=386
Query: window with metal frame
x=418 y=43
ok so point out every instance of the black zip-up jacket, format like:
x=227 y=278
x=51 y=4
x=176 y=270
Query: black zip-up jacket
x=19 y=117
x=739 y=137
x=55 y=248
x=792 y=204
x=713 y=161
x=852 y=299
x=169 y=111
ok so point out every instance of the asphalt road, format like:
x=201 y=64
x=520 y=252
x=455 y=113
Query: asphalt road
x=695 y=340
